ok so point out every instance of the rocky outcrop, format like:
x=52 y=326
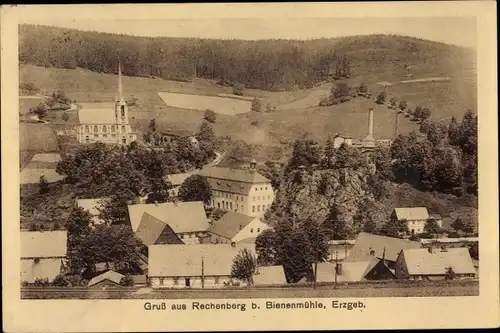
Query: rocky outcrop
x=312 y=193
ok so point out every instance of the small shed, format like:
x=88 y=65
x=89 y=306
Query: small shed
x=107 y=279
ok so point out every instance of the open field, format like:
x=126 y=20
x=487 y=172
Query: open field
x=297 y=113
x=391 y=289
x=37 y=138
x=224 y=105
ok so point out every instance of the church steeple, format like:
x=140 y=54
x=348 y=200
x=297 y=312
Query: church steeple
x=120 y=87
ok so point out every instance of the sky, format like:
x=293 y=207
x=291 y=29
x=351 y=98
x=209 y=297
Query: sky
x=453 y=30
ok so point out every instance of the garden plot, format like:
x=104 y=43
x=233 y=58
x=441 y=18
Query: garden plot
x=41 y=165
x=223 y=105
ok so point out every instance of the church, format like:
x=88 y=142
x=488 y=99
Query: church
x=107 y=125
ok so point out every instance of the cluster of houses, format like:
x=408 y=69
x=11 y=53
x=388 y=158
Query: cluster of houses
x=187 y=250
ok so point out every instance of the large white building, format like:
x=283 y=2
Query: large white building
x=106 y=124
x=193 y=266
x=243 y=191
x=235 y=227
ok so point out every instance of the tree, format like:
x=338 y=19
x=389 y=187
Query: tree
x=206 y=133
x=159 y=191
x=114 y=209
x=474 y=251
x=370 y=226
x=33 y=227
x=417 y=112
x=403 y=105
x=458 y=224
x=40 y=110
x=65 y=116
x=269 y=108
x=453 y=132
x=305 y=153
x=29 y=88
x=43 y=185
x=210 y=116
x=265 y=246
x=381 y=97
x=78 y=226
x=329 y=154
x=425 y=114
x=431 y=227
x=195 y=188
x=340 y=90
x=56 y=226
x=152 y=125
x=468 y=227
x=238 y=89
x=395 y=228
x=127 y=281
x=244 y=266
x=60 y=281
x=363 y=88
x=349 y=157
x=110 y=244
x=256 y=105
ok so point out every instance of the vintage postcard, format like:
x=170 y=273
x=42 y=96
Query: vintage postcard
x=215 y=167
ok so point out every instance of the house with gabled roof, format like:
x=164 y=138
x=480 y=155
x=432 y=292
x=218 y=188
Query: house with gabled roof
x=154 y=231
x=187 y=219
x=385 y=248
x=243 y=191
x=269 y=275
x=43 y=254
x=193 y=266
x=415 y=217
x=234 y=227
x=107 y=279
x=353 y=271
x=434 y=263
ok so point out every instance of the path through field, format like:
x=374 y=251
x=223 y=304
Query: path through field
x=311 y=100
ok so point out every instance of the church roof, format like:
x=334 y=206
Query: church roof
x=96 y=116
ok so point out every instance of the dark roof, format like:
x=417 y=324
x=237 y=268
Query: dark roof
x=150 y=229
x=230 y=224
x=365 y=243
x=240 y=175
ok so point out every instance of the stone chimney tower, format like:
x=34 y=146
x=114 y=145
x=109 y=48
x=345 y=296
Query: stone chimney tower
x=370 y=122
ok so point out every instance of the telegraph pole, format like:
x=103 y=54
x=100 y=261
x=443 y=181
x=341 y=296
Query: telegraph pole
x=316 y=257
x=336 y=267
x=202 y=274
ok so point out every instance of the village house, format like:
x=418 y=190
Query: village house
x=415 y=217
x=434 y=264
x=385 y=248
x=188 y=220
x=43 y=254
x=106 y=124
x=152 y=230
x=107 y=279
x=234 y=227
x=338 y=140
x=193 y=266
x=353 y=271
x=238 y=190
x=269 y=275
x=92 y=206
x=176 y=181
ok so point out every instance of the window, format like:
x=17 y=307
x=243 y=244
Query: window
x=96 y=129
x=251 y=230
x=188 y=282
x=123 y=111
x=216 y=280
x=372 y=252
x=113 y=129
x=261 y=188
x=123 y=129
x=258 y=229
x=104 y=128
x=176 y=281
x=231 y=205
x=124 y=141
x=218 y=205
x=161 y=281
x=253 y=209
x=265 y=188
x=86 y=128
x=87 y=139
x=258 y=208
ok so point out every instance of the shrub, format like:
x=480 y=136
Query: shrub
x=41 y=282
x=60 y=281
x=344 y=99
x=210 y=116
x=325 y=102
x=238 y=89
x=381 y=97
x=363 y=88
x=254 y=123
x=256 y=105
x=127 y=281
x=65 y=116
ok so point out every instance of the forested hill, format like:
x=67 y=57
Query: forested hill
x=266 y=64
